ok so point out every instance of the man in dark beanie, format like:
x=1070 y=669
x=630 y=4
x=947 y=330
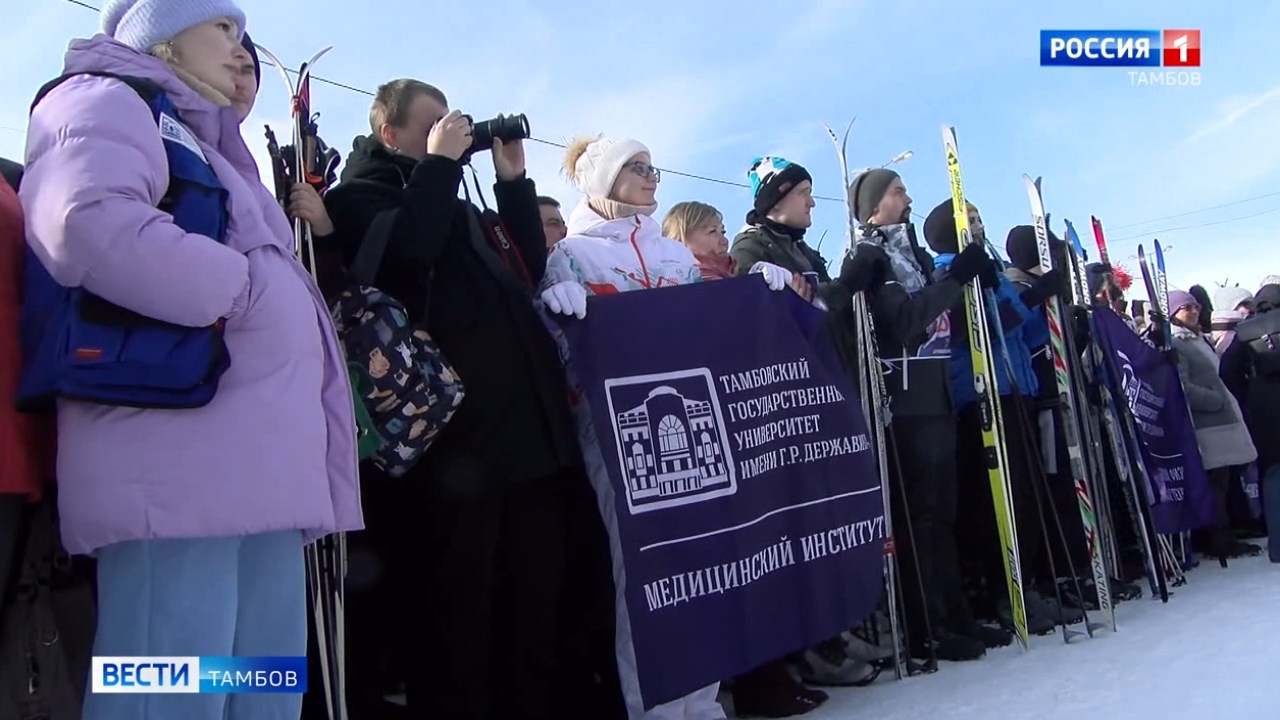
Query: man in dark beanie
x=913 y=334
x=1014 y=379
x=1035 y=287
x=781 y=212
x=873 y=186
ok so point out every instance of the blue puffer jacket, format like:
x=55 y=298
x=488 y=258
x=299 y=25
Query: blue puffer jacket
x=1014 y=316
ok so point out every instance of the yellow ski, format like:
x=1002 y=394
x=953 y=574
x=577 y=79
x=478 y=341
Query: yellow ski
x=984 y=383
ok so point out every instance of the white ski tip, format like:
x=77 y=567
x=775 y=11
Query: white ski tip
x=319 y=55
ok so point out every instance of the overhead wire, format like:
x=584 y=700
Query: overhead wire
x=1152 y=233
x=826 y=198
x=552 y=143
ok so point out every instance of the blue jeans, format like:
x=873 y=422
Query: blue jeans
x=1271 y=508
x=201 y=597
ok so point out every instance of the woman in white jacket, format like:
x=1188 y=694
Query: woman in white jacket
x=615 y=245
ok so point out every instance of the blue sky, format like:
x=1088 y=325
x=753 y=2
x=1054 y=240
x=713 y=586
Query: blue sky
x=710 y=85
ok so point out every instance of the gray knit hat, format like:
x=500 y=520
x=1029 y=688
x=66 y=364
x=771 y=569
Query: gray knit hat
x=142 y=24
x=868 y=190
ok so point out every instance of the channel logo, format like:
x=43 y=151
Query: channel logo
x=231 y=675
x=1120 y=48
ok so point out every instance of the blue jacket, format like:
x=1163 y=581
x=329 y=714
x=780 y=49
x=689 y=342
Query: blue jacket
x=1014 y=317
x=1036 y=332
x=1035 y=328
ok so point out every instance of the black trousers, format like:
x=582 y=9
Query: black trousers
x=479 y=573
x=925 y=529
x=979 y=535
x=12 y=530
x=586 y=682
x=1064 y=502
x=1221 y=535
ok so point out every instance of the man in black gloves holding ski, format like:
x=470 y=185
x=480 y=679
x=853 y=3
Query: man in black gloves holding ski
x=913 y=334
x=478 y=526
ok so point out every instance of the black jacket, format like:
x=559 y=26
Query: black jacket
x=918 y=386
x=761 y=243
x=515 y=421
x=1260 y=335
x=12 y=172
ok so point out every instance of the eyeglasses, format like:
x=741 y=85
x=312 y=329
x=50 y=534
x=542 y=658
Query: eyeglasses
x=645 y=170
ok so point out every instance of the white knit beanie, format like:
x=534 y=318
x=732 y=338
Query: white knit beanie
x=598 y=167
x=142 y=24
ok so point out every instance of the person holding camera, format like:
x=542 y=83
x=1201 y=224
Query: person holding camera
x=476 y=529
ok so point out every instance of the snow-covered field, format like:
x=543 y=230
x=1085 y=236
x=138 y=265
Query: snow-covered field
x=1212 y=653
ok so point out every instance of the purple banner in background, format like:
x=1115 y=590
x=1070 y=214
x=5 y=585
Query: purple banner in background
x=1180 y=496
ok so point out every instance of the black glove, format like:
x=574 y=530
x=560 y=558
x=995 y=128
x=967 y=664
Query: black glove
x=1080 y=327
x=970 y=263
x=1045 y=287
x=990 y=278
x=1155 y=328
x=865 y=269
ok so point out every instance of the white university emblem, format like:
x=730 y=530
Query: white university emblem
x=673 y=446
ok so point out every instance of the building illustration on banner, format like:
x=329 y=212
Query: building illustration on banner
x=673 y=446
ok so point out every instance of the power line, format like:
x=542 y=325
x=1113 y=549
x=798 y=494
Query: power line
x=1201 y=225
x=1197 y=212
x=362 y=91
x=732 y=183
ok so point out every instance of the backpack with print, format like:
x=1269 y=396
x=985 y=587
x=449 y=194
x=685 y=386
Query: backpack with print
x=408 y=390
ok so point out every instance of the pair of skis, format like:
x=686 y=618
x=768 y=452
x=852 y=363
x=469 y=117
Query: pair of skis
x=1088 y=485
x=875 y=408
x=1157 y=285
x=1121 y=431
x=994 y=449
x=1157 y=290
x=309 y=160
x=1162 y=545
x=980 y=307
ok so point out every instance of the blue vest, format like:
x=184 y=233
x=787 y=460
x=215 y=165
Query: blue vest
x=79 y=346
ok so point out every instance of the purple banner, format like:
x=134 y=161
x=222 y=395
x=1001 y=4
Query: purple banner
x=736 y=476
x=1180 y=497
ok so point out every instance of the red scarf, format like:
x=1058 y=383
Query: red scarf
x=717 y=267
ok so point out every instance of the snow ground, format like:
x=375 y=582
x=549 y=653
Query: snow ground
x=1211 y=653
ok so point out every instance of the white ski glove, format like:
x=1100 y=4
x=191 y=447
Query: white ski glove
x=566 y=298
x=775 y=276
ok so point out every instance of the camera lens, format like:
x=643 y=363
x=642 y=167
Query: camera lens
x=506 y=129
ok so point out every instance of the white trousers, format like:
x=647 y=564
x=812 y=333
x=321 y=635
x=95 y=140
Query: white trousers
x=697 y=705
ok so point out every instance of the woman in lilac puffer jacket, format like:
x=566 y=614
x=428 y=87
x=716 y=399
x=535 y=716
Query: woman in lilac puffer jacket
x=198 y=517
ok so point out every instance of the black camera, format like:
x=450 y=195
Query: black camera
x=506 y=128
